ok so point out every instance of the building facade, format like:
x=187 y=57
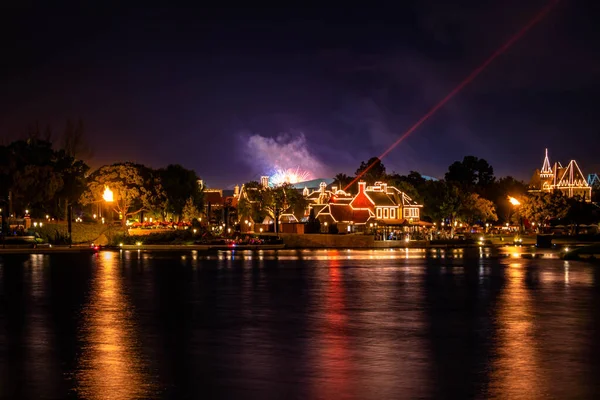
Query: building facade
x=377 y=205
x=554 y=177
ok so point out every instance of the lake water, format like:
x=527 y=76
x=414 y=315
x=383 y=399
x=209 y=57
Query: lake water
x=298 y=324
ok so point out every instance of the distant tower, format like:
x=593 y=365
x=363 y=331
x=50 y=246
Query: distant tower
x=546 y=171
x=264 y=181
x=305 y=191
x=236 y=191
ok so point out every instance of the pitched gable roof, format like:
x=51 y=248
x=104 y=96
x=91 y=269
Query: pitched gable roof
x=571 y=176
x=381 y=199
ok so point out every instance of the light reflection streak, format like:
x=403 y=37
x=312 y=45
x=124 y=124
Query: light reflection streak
x=334 y=363
x=110 y=365
x=517 y=371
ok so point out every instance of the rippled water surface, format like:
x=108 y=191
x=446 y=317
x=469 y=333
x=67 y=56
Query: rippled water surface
x=297 y=324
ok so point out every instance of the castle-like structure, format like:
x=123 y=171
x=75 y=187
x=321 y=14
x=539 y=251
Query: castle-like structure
x=569 y=180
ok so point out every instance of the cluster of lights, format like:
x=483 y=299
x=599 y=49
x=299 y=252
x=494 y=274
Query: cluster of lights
x=289 y=175
x=36 y=224
x=78 y=219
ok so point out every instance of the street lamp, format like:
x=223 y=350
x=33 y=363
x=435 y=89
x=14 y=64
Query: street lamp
x=516 y=203
x=107 y=195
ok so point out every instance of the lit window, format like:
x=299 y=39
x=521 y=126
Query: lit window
x=379 y=213
x=393 y=213
x=411 y=213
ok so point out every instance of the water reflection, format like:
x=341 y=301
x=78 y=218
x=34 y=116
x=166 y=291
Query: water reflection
x=333 y=364
x=517 y=372
x=298 y=324
x=110 y=365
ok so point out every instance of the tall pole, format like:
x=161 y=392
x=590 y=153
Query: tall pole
x=69 y=226
x=4 y=226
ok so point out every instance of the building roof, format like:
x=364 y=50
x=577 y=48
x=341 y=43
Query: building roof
x=213 y=197
x=381 y=199
x=345 y=213
x=312 y=184
x=571 y=176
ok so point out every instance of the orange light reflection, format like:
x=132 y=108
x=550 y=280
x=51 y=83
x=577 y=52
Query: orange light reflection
x=516 y=372
x=110 y=366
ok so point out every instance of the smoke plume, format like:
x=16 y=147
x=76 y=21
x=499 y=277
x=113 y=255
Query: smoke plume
x=281 y=153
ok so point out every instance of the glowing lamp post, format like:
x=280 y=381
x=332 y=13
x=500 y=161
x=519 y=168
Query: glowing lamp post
x=516 y=203
x=107 y=195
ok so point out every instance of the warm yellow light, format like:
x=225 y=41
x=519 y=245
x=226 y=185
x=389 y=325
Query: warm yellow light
x=261 y=229
x=26 y=211
x=108 y=195
x=195 y=230
x=514 y=201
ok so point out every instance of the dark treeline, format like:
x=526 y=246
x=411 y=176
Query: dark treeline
x=44 y=179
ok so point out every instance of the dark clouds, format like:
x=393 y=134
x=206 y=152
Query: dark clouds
x=185 y=85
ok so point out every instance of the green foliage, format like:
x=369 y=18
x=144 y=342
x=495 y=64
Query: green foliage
x=375 y=170
x=471 y=172
x=36 y=185
x=501 y=190
x=126 y=180
x=179 y=184
x=190 y=212
x=403 y=184
x=342 y=180
x=543 y=206
x=258 y=201
x=475 y=208
x=39 y=176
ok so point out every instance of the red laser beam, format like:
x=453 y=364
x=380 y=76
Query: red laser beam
x=537 y=18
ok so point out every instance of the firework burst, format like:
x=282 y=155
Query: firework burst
x=289 y=175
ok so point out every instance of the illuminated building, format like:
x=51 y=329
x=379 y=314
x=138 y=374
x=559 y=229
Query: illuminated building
x=378 y=204
x=569 y=180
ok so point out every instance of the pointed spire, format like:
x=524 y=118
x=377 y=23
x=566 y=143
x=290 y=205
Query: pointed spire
x=546 y=169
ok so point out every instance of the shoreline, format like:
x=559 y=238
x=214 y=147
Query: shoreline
x=524 y=252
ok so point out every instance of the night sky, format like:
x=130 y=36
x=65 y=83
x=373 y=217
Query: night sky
x=208 y=88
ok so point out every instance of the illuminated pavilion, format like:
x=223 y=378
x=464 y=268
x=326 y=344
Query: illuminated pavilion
x=554 y=177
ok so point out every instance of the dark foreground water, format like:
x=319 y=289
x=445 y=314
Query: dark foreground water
x=306 y=325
